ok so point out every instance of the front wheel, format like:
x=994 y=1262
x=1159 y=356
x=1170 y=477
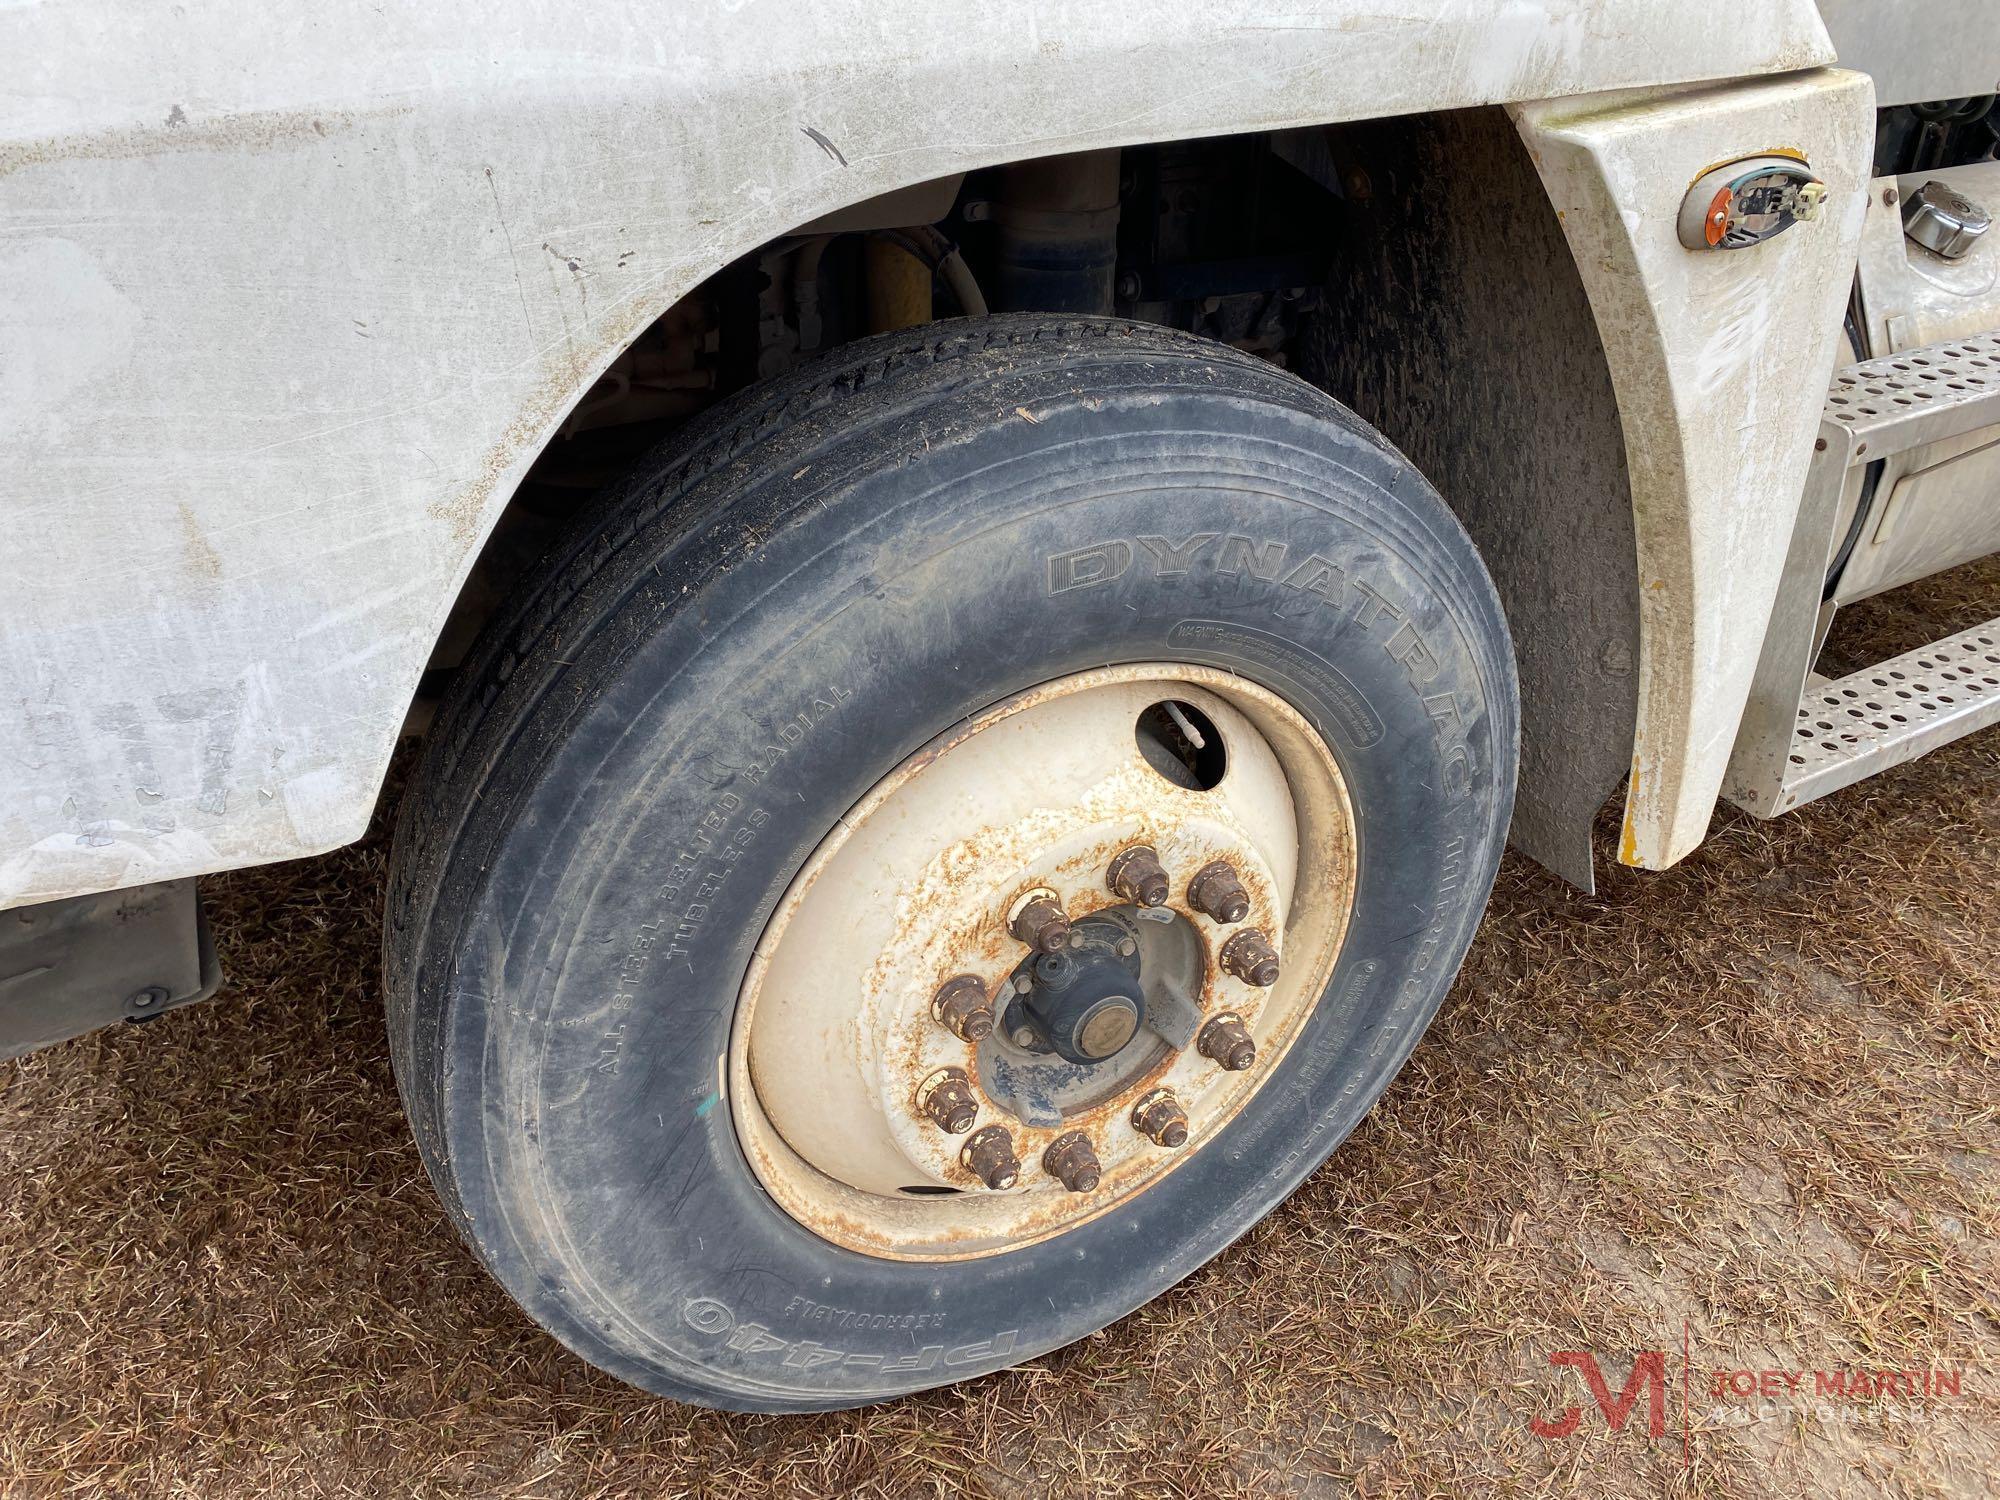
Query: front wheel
x=954 y=842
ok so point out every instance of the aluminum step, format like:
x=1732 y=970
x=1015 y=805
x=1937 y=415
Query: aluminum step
x=1901 y=401
x=1803 y=736
x=1868 y=721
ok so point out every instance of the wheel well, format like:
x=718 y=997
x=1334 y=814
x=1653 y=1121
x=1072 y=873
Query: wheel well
x=1412 y=267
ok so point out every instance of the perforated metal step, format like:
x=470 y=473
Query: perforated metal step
x=1869 y=721
x=1905 y=400
x=1803 y=736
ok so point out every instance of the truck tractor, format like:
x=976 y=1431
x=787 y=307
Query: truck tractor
x=982 y=589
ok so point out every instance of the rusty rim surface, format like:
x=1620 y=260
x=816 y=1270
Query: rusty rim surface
x=848 y=1077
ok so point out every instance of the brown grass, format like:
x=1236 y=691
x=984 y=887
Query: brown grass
x=1758 y=1095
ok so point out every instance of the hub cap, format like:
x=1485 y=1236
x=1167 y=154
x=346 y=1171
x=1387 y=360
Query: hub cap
x=1085 y=852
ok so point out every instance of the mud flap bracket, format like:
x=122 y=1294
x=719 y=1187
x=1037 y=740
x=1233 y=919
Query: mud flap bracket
x=67 y=967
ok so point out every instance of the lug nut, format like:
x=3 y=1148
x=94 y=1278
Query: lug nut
x=1041 y=924
x=1137 y=875
x=1251 y=958
x=961 y=1007
x=1226 y=1040
x=989 y=1155
x=1160 y=1118
x=1071 y=1160
x=946 y=1097
x=1216 y=892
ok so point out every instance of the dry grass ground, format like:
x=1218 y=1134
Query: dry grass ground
x=1757 y=1096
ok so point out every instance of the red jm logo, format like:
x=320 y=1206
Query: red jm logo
x=1649 y=1373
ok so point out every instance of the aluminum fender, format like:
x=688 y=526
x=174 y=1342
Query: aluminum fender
x=290 y=297
x=1720 y=360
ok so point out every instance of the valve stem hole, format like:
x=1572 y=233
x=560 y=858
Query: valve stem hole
x=1182 y=743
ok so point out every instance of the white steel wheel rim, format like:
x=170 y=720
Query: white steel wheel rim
x=834 y=1032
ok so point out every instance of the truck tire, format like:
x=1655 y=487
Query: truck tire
x=795 y=731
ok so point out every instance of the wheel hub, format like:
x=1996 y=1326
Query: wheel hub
x=1004 y=996
x=1085 y=1002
